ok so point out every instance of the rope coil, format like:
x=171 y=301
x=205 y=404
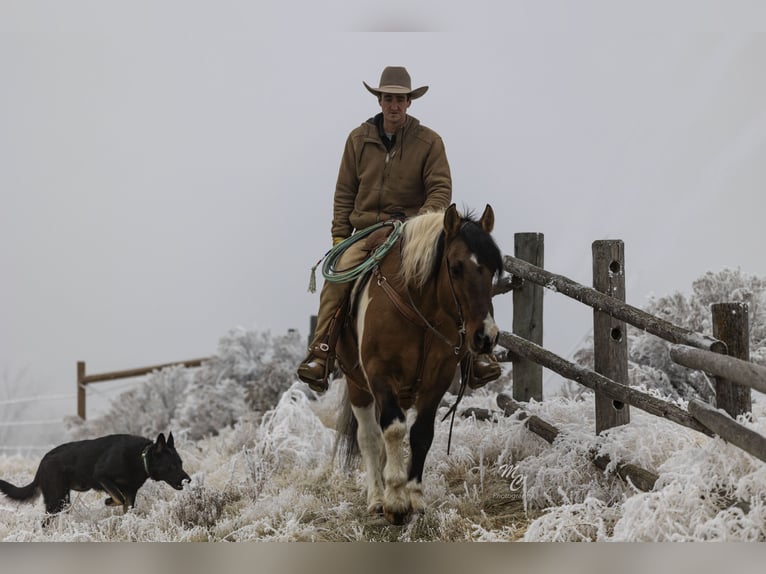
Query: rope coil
x=329 y=271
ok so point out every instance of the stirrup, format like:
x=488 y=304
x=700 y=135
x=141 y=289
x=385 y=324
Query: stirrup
x=316 y=376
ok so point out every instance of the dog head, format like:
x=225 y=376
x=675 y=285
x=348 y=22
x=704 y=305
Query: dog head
x=165 y=464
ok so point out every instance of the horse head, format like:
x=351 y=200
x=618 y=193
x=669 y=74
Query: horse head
x=472 y=262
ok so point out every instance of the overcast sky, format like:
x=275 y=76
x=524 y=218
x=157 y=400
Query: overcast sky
x=167 y=168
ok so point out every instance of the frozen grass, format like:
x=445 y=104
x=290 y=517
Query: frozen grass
x=271 y=478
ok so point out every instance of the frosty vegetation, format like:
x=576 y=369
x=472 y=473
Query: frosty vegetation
x=259 y=448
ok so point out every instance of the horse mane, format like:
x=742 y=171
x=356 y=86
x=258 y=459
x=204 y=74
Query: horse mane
x=423 y=246
x=420 y=247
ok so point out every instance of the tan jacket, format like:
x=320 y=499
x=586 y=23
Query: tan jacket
x=375 y=184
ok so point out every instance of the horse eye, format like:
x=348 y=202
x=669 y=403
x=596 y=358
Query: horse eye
x=457 y=268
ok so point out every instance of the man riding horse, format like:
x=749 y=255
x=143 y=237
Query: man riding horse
x=393 y=167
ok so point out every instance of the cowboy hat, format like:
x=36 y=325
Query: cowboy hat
x=396 y=80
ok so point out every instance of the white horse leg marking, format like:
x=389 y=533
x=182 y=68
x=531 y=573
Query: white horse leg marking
x=417 y=501
x=396 y=499
x=370 y=439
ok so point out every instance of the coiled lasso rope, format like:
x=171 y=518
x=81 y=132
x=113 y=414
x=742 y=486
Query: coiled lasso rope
x=331 y=274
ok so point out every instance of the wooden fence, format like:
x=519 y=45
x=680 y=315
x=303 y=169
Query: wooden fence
x=725 y=355
x=83 y=379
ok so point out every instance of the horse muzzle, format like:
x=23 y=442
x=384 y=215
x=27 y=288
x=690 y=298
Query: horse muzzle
x=485 y=338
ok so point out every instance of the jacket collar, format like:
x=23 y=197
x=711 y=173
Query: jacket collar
x=377 y=123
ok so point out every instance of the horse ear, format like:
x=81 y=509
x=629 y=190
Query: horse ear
x=170 y=440
x=451 y=222
x=160 y=441
x=488 y=219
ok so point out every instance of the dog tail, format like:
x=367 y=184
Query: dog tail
x=24 y=493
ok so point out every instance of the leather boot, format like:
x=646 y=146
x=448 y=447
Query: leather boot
x=316 y=368
x=314 y=372
x=485 y=370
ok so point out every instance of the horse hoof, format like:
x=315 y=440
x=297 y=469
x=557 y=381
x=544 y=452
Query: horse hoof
x=396 y=518
x=376 y=510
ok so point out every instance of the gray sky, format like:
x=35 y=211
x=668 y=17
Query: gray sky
x=167 y=168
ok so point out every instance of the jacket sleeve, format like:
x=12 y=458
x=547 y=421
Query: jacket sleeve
x=346 y=189
x=437 y=179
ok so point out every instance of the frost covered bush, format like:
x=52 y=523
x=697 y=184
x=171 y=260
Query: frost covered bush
x=249 y=373
x=199 y=506
x=650 y=361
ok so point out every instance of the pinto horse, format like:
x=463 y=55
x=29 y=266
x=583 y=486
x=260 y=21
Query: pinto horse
x=425 y=307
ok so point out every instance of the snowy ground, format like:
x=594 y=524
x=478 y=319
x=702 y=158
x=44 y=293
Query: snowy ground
x=274 y=481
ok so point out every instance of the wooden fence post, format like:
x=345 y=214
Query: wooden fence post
x=731 y=325
x=528 y=319
x=610 y=337
x=81 y=389
x=312 y=328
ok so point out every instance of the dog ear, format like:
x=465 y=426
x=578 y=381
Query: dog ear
x=160 y=444
x=170 y=440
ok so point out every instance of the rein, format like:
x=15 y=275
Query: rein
x=416 y=317
x=465 y=372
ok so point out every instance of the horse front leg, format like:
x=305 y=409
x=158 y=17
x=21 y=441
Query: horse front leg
x=421 y=438
x=370 y=439
x=396 y=498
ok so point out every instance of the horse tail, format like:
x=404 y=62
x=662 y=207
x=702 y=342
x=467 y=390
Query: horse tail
x=23 y=493
x=346 y=450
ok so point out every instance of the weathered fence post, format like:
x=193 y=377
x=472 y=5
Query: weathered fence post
x=81 y=389
x=528 y=319
x=732 y=326
x=312 y=328
x=610 y=337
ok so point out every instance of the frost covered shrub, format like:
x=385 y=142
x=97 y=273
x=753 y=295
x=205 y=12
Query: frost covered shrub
x=198 y=505
x=587 y=521
x=207 y=408
x=649 y=357
x=250 y=373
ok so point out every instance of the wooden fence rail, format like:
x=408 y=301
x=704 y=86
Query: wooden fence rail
x=615 y=307
x=593 y=380
x=725 y=354
x=729 y=429
x=83 y=379
x=740 y=371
